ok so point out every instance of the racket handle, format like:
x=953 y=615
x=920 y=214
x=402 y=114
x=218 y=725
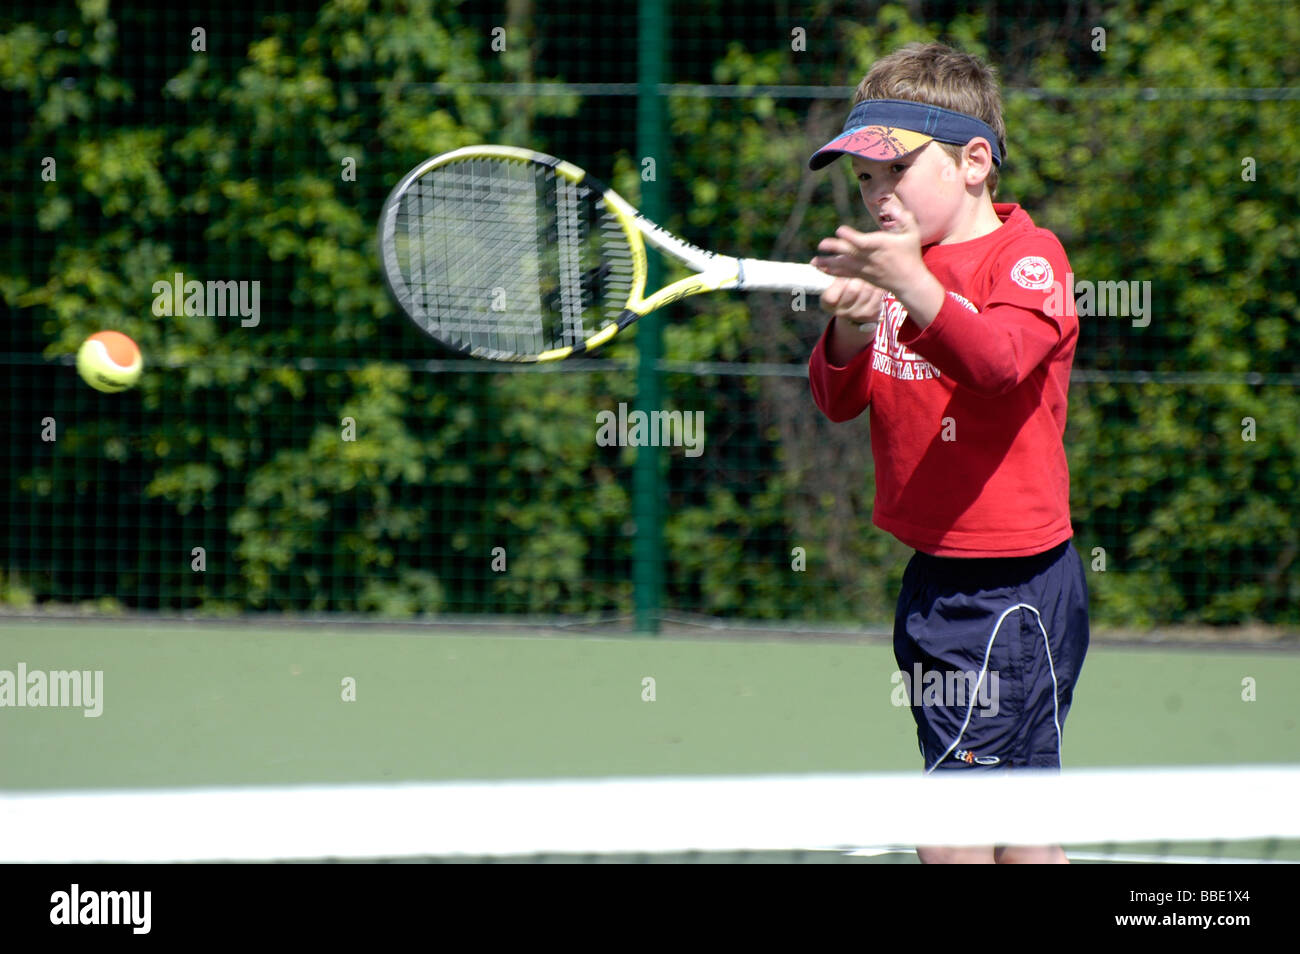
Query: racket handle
x=759 y=275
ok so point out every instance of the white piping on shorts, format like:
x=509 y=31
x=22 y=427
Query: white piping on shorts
x=988 y=651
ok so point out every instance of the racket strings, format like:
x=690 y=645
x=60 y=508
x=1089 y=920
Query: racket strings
x=570 y=236
x=506 y=256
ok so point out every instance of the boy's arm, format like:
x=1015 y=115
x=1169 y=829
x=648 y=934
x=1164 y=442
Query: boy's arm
x=1023 y=322
x=989 y=353
x=839 y=370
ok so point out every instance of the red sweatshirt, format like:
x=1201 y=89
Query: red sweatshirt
x=967 y=414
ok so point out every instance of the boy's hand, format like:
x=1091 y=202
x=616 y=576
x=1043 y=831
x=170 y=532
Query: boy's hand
x=890 y=259
x=856 y=302
x=856 y=307
x=887 y=259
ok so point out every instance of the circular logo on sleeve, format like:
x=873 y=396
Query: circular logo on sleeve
x=1032 y=272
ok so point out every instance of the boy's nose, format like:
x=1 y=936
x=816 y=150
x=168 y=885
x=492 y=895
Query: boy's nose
x=877 y=197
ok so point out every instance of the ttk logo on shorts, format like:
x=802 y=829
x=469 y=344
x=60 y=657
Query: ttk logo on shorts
x=970 y=758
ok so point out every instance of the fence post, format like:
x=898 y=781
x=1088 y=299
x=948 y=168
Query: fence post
x=648 y=490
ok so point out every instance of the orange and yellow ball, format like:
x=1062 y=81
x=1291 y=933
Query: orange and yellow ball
x=109 y=361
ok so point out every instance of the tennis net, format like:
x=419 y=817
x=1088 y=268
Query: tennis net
x=1171 y=815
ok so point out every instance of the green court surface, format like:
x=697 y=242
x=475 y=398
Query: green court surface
x=194 y=705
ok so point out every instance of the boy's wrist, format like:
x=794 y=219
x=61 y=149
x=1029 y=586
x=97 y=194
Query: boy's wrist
x=856 y=326
x=923 y=297
x=846 y=339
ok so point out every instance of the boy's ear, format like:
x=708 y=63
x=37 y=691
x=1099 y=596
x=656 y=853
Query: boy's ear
x=978 y=156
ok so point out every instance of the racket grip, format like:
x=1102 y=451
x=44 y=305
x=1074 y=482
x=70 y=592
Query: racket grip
x=759 y=275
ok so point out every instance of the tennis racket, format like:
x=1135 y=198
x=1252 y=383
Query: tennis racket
x=511 y=255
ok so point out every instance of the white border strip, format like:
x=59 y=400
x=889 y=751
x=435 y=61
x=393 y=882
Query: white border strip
x=660 y=814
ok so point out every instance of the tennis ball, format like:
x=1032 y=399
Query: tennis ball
x=109 y=361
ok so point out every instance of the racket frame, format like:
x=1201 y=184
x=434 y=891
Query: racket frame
x=713 y=271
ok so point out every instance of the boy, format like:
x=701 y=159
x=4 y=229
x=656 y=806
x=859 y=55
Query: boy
x=941 y=328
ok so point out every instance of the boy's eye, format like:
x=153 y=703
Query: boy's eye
x=897 y=169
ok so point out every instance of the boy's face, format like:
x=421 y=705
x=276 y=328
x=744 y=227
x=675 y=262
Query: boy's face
x=927 y=183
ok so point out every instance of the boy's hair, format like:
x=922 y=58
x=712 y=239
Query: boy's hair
x=940 y=76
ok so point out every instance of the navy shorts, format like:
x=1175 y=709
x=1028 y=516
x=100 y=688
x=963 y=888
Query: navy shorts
x=989 y=651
